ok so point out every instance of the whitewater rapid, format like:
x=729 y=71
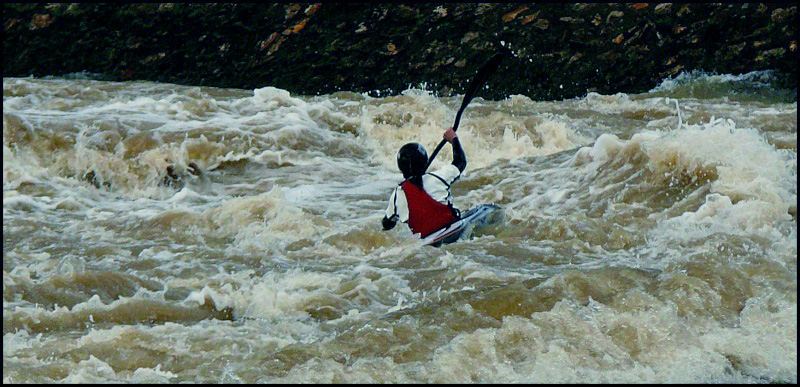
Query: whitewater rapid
x=160 y=233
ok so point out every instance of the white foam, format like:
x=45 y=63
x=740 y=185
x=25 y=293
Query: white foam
x=92 y=370
x=760 y=78
x=764 y=344
x=275 y=96
x=606 y=146
x=758 y=177
x=151 y=375
x=26 y=202
x=263 y=221
x=288 y=296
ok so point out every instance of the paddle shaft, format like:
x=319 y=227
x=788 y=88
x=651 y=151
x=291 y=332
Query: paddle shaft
x=477 y=83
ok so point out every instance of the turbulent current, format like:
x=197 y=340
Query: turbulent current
x=162 y=233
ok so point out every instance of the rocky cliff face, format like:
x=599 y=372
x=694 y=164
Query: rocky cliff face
x=562 y=51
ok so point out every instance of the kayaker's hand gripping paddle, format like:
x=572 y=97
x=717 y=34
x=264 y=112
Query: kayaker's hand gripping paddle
x=477 y=83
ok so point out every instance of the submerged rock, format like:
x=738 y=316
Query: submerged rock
x=177 y=179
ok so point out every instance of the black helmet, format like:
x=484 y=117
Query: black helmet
x=412 y=159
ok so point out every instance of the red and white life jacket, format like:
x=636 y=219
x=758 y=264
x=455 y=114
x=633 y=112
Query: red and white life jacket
x=425 y=214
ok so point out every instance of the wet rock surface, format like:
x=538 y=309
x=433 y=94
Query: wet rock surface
x=563 y=50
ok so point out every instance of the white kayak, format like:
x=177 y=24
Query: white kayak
x=476 y=217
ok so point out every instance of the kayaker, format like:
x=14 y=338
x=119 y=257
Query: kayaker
x=423 y=200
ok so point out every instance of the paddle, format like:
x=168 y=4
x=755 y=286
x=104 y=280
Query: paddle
x=477 y=83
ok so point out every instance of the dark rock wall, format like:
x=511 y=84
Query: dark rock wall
x=564 y=50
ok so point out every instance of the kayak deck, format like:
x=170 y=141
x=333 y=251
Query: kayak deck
x=477 y=217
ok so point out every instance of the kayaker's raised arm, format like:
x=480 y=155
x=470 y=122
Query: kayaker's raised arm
x=459 y=158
